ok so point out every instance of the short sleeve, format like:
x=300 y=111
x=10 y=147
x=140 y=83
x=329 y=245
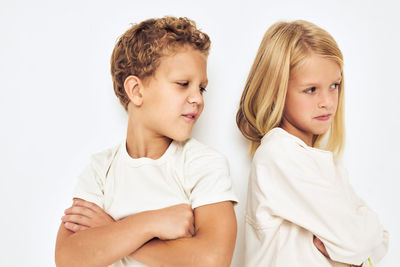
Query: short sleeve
x=90 y=186
x=207 y=178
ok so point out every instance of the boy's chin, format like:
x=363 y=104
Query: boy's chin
x=180 y=137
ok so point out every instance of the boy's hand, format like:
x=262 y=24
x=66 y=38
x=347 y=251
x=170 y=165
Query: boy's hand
x=173 y=222
x=320 y=246
x=168 y=223
x=83 y=215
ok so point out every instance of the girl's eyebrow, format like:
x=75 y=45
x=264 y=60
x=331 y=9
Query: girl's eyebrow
x=338 y=79
x=308 y=84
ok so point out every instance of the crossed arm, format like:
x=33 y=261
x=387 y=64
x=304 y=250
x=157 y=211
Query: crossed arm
x=212 y=244
x=161 y=237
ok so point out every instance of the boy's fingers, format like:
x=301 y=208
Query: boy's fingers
x=74 y=227
x=76 y=219
x=87 y=204
x=79 y=211
x=191 y=230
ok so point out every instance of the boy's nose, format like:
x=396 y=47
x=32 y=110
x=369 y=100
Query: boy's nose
x=195 y=98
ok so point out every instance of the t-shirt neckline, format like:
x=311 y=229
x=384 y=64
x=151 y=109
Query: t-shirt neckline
x=135 y=162
x=298 y=140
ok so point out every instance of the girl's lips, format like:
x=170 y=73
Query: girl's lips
x=323 y=117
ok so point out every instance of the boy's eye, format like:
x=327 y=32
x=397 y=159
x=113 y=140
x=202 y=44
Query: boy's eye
x=202 y=89
x=310 y=90
x=183 y=83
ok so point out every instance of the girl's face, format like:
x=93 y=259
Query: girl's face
x=312 y=98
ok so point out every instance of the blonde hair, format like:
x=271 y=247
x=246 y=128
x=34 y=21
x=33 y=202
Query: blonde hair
x=284 y=48
x=139 y=49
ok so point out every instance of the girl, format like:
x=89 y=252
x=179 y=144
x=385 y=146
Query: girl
x=301 y=209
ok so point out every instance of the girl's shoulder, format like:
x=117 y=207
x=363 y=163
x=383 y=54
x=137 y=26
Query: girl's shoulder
x=277 y=141
x=279 y=145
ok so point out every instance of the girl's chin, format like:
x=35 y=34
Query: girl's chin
x=321 y=131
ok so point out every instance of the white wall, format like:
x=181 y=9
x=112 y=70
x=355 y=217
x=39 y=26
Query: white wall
x=57 y=105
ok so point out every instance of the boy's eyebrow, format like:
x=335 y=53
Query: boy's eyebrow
x=202 y=82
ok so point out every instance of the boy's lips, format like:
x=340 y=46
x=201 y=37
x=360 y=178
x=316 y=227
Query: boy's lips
x=190 y=116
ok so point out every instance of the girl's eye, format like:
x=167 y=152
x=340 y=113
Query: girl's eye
x=310 y=90
x=335 y=86
x=202 y=89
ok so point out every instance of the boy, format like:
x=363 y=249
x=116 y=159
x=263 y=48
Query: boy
x=133 y=204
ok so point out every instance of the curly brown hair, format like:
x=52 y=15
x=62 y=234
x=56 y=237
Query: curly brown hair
x=139 y=49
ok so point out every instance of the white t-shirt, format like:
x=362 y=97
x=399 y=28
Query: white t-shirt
x=188 y=172
x=296 y=192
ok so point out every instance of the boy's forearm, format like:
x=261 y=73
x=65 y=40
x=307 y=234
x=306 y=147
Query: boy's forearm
x=184 y=252
x=118 y=239
x=212 y=245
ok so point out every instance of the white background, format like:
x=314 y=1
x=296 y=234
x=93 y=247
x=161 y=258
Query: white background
x=57 y=105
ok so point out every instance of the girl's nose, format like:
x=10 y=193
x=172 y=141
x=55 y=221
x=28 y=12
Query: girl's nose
x=326 y=100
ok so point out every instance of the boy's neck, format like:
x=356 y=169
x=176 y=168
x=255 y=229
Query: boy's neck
x=139 y=143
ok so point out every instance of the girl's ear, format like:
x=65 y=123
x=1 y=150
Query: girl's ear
x=133 y=88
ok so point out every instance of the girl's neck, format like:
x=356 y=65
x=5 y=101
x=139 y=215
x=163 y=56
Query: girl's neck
x=307 y=138
x=140 y=143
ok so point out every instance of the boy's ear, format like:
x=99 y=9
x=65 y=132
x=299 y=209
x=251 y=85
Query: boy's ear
x=133 y=88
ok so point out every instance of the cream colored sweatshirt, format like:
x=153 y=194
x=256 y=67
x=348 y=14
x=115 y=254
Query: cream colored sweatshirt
x=296 y=192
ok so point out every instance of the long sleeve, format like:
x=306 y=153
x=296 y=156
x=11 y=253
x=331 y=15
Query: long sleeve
x=380 y=251
x=303 y=187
